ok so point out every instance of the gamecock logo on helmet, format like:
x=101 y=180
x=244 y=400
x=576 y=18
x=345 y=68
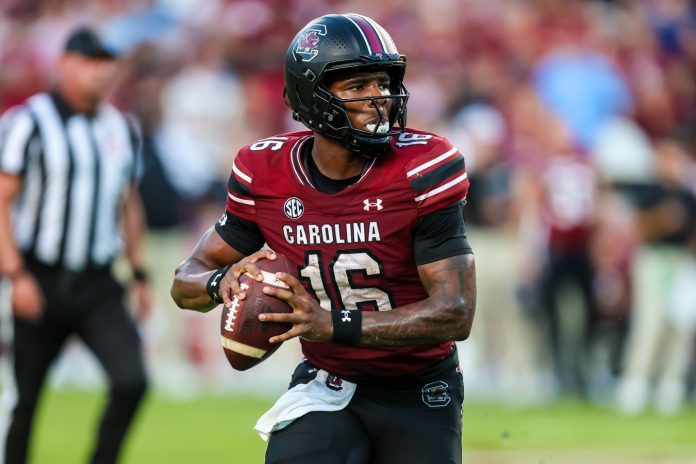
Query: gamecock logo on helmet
x=308 y=41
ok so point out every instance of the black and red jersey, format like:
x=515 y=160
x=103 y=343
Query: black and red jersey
x=353 y=249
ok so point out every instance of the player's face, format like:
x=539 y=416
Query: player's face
x=371 y=113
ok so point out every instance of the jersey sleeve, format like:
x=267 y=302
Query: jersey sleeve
x=242 y=235
x=440 y=235
x=438 y=178
x=240 y=201
x=18 y=132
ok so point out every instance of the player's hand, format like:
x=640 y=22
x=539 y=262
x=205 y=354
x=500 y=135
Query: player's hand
x=229 y=286
x=141 y=300
x=27 y=298
x=309 y=320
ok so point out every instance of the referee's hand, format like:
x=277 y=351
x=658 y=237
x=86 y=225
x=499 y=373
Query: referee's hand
x=141 y=300
x=27 y=298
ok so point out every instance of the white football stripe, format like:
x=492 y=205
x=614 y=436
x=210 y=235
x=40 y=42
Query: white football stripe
x=270 y=279
x=240 y=200
x=441 y=188
x=240 y=173
x=431 y=162
x=368 y=169
x=299 y=160
x=295 y=171
x=241 y=348
x=295 y=156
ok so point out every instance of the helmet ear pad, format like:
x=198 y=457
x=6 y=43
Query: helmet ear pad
x=333 y=120
x=336 y=118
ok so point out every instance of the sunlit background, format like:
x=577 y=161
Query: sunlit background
x=577 y=123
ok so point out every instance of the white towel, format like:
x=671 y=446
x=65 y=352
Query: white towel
x=302 y=399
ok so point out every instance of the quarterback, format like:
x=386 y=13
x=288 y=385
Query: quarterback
x=371 y=214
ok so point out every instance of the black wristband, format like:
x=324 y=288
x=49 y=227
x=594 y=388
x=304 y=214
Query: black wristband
x=139 y=275
x=347 y=326
x=213 y=285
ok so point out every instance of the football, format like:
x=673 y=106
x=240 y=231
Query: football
x=245 y=338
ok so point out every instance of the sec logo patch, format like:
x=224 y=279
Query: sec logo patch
x=294 y=209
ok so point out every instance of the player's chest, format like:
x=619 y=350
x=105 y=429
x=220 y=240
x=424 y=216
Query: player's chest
x=358 y=217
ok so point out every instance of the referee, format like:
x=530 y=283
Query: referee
x=69 y=163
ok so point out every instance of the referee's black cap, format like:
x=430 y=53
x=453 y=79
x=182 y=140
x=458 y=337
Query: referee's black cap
x=86 y=42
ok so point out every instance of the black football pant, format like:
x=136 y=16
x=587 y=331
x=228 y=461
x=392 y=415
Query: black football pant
x=407 y=421
x=89 y=305
x=569 y=364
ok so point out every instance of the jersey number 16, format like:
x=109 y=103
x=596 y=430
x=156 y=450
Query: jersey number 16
x=344 y=267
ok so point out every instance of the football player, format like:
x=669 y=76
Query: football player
x=371 y=213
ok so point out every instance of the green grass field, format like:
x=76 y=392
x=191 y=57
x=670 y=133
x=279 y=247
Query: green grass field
x=218 y=429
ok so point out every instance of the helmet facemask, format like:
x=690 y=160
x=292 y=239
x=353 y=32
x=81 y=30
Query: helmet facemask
x=336 y=122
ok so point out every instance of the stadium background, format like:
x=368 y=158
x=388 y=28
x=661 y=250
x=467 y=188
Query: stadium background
x=514 y=84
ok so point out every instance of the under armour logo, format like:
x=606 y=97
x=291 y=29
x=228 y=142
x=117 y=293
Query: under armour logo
x=346 y=315
x=215 y=280
x=377 y=204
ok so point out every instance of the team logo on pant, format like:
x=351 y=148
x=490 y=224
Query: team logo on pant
x=435 y=394
x=334 y=383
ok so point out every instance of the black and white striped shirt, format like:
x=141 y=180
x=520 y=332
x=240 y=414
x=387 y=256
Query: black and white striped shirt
x=75 y=170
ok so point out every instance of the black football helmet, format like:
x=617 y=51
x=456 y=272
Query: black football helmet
x=337 y=43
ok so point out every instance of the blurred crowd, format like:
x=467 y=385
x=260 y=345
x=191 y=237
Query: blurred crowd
x=577 y=120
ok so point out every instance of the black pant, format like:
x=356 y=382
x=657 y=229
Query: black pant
x=89 y=305
x=416 y=420
x=573 y=266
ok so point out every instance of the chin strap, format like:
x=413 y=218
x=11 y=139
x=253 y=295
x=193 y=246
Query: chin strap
x=365 y=146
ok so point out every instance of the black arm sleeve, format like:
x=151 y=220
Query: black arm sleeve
x=441 y=235
x=242 y=235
